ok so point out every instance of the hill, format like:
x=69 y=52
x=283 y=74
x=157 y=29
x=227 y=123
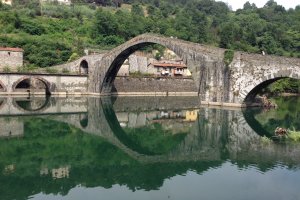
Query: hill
x=52 y=34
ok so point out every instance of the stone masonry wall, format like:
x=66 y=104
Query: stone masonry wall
x=126 y=84
x=11 y=59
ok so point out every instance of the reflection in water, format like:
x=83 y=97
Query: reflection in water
x=84 y=120
x=287 y=116
x=141 y=149
x=32 y=104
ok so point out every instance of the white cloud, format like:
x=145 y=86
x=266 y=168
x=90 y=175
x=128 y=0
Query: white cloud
x=236 y=4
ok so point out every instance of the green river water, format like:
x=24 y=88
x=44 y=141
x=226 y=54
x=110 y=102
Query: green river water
x=145 y=148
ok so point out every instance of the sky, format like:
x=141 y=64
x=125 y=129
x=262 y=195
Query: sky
x=235 y=4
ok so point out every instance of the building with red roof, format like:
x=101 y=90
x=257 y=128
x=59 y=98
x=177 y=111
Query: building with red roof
x=175 y=68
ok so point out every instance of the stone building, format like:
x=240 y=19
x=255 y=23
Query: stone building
x=11 y=58
x=167 y=68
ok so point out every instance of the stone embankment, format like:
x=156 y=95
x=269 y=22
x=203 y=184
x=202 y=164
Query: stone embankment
x=154 y=86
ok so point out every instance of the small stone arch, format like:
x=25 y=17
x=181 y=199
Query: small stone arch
x=84 y=67
x=31 y=84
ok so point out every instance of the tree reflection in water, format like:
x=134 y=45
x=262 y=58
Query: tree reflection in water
x=108 y=145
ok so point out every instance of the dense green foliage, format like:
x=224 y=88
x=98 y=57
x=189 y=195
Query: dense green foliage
x=51 y=33
x=285 y=85
x=294 y=135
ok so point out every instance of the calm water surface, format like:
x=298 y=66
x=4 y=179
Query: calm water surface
x=145 y=148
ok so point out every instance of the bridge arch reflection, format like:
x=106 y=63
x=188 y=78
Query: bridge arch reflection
x=36 y=104
x=216 y=134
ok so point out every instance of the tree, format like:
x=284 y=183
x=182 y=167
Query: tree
x=199 y=25
x=270 y=3
x=150 y=10
x=248 y=6
x=156 y=3
x=229 y=33
x=268 y=44
x=105 y=23
x=17 y=22
x=137 y=10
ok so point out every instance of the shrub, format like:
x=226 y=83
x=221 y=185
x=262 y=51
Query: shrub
x=51 y=70
x=21 y=69
x=30 y=67
x=32 y=28
x=294 y=135
x=65 y=71
x=112 y=40
x=6 y=69
x=228 y=57
x=73 y=57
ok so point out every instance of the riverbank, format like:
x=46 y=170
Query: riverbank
x=285 y=94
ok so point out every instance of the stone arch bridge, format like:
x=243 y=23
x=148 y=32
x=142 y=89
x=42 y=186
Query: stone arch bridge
x=217 y=83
